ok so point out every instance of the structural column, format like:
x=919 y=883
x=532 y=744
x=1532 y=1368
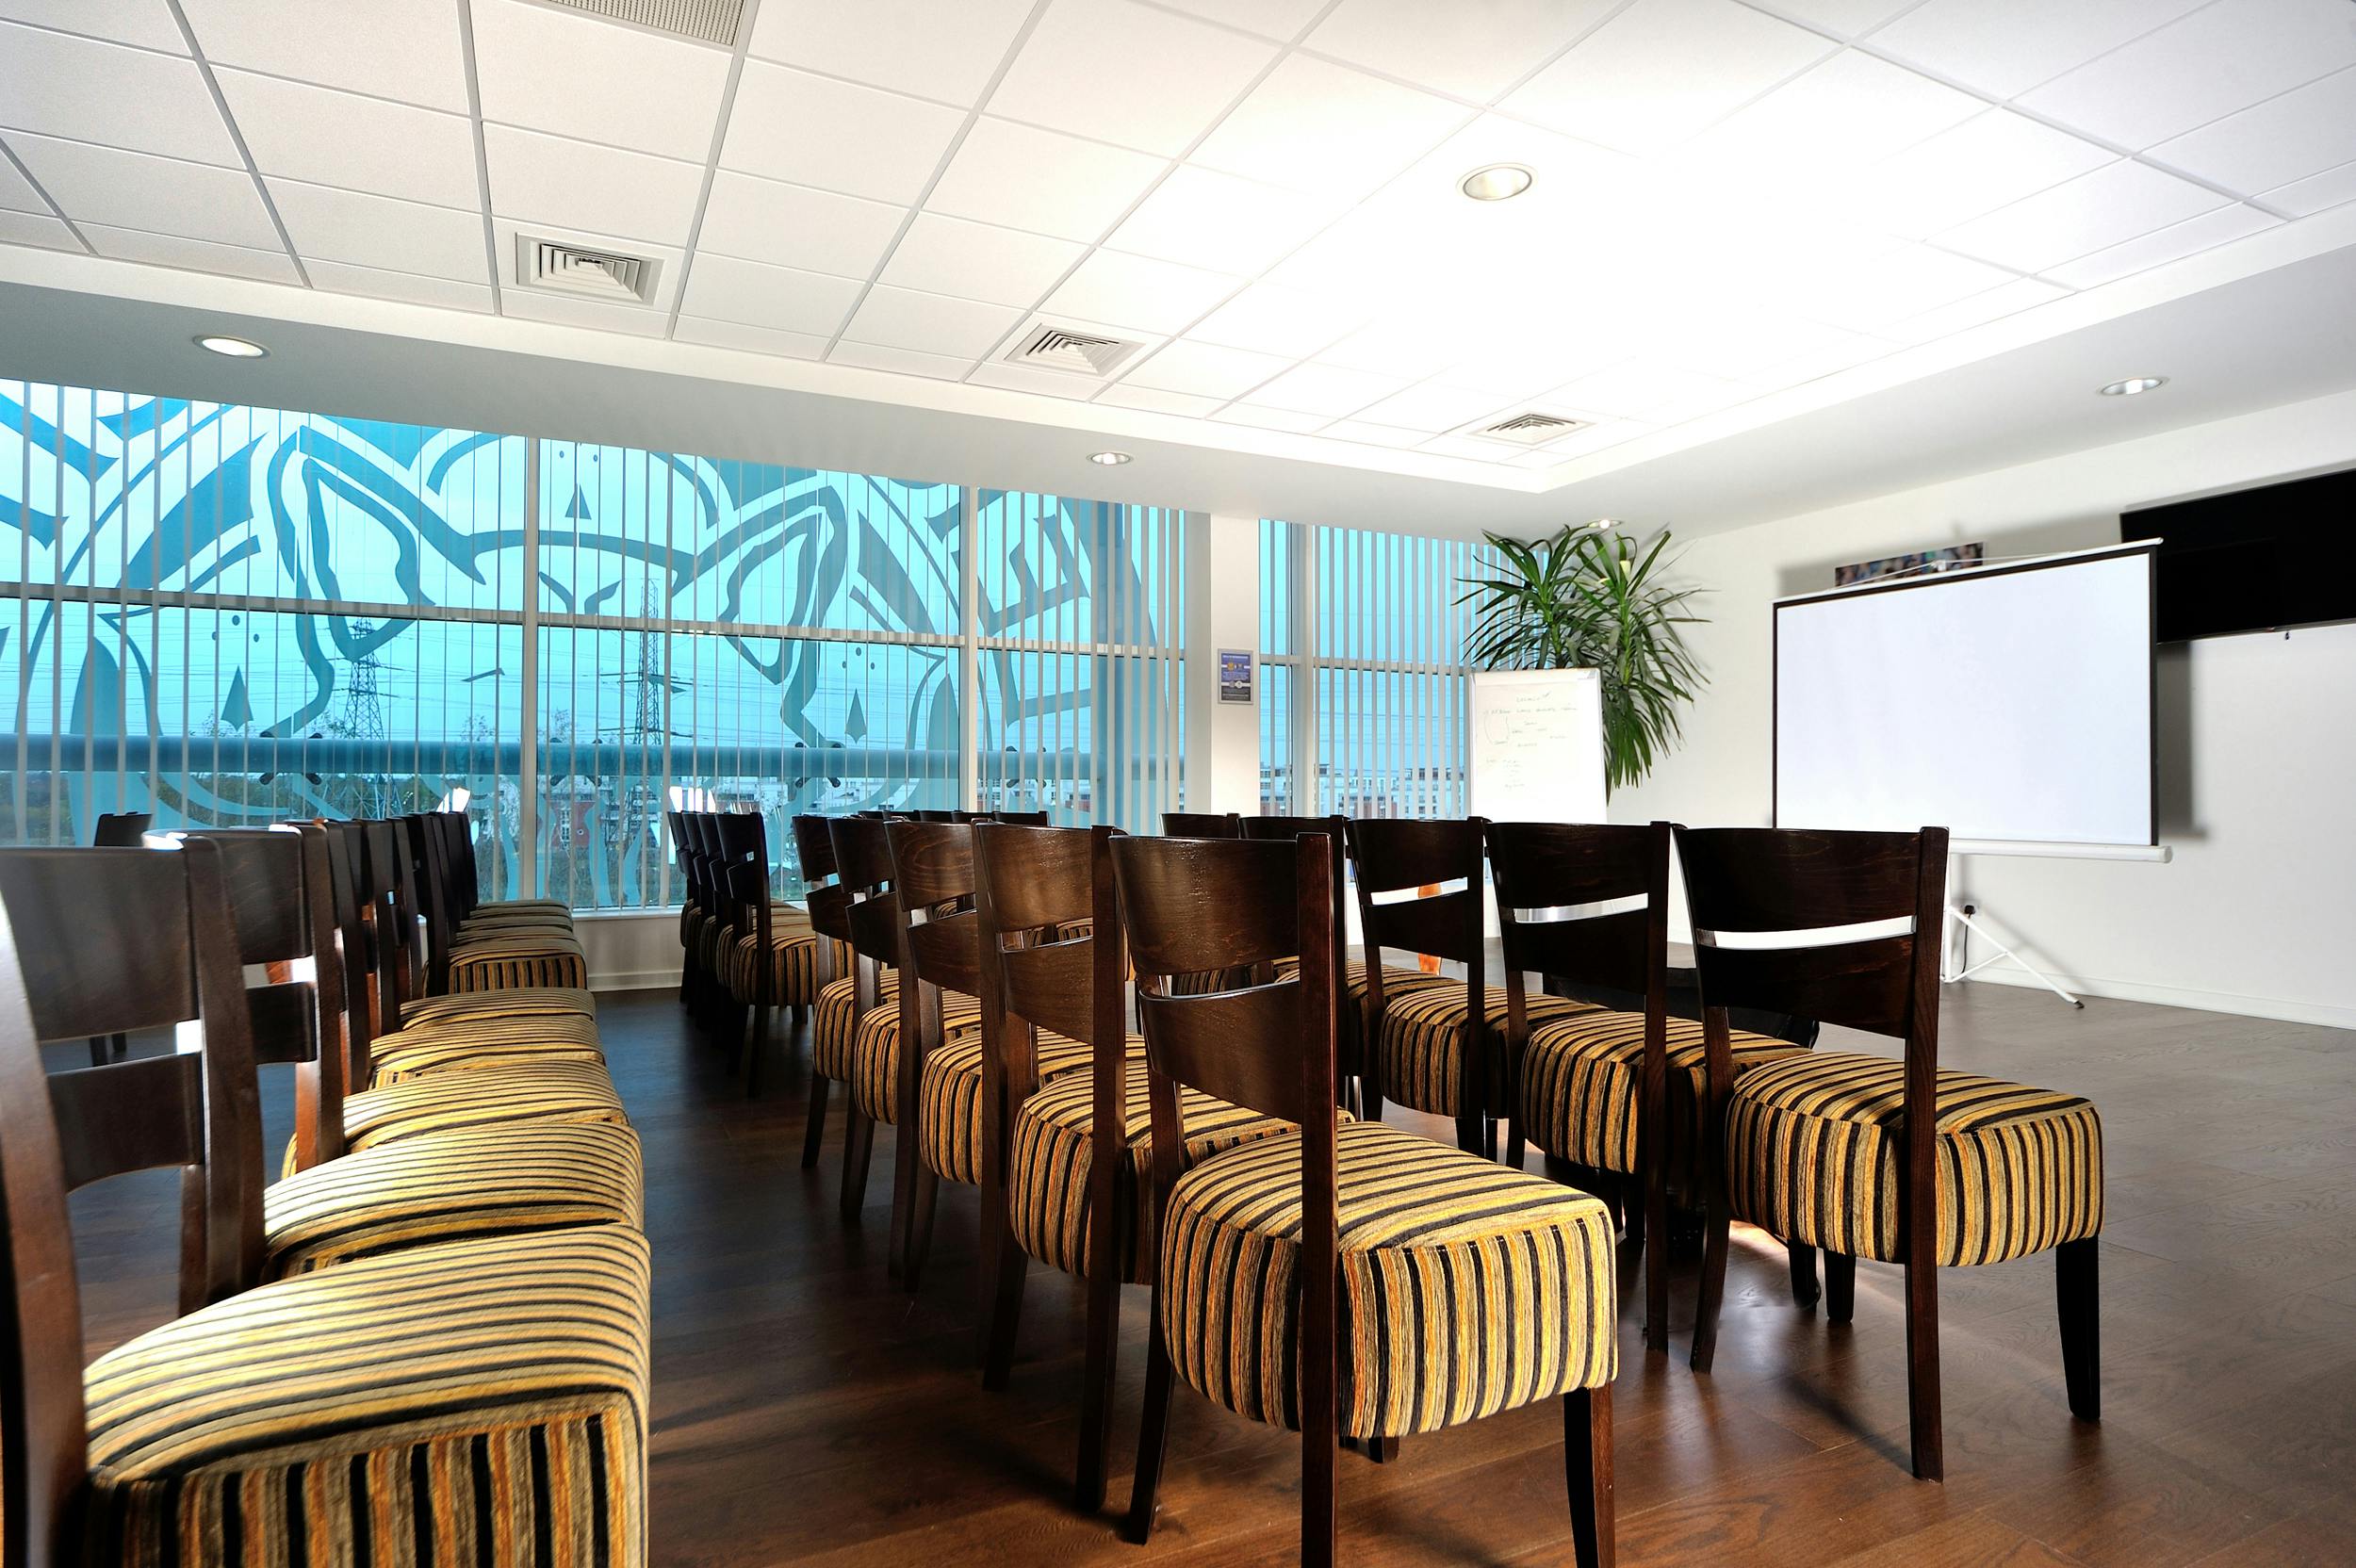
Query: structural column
x=1222 y=743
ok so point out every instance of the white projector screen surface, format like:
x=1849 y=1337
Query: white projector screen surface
x=1537 y=746
x=2010 y=704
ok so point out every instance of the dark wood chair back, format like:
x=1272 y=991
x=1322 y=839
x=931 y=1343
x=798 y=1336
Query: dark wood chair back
x=1400 y=854
x=1032 y=887
x=121 y=829
x=355 y=945
x=830 y=899
x=1584 y=879
x=932 y=874
x=401 y=956
x=871 y=925
x=1022 y=819
x=1201 y=824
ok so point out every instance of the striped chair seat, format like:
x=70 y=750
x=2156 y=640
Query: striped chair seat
x=1422 y=1041
x=1396 y=982
x=1467 y=1288
x=450 y=1186
x=1054 y=1149
x=834 y=1029
x=949 y=1124
x=517 y=1001
x=793 y=977
x=481 y=1401
x=480 y=1097
x=1581 y=1078
x=1814 y=1144
x=495 y=905
x=426 y=1048
x=875 y=1074
x=536 y=960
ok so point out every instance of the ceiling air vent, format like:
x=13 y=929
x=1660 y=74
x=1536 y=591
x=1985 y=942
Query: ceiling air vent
x=611 y=275
x=1078 y=353
x=704 y=21
x=1530 y=430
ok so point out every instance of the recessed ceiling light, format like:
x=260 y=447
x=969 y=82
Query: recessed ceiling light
x=1108 y=460
x=1496 y=182
x=236 y=347
x=2133 y=385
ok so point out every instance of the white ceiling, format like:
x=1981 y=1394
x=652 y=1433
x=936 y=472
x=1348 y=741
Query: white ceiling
x=1744 y=210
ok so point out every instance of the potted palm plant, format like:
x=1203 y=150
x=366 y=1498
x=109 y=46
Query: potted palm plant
x=1591 y=597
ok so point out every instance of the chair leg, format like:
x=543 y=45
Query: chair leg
x=2078 y=1290
x=1005 y=1269
x=756 y=1049
x=1633 y=1204
x=1930 y=1461
x=1839 y=1287
x=924 y=1199
x=1716 y=1225
x=1587 y=1471
x=1096 y=1378
x=1469 y=1134
x=1152 y=1432
x=1656 y=1242
x=1805 y=1290
x=859 y=1145
x=816 y=1133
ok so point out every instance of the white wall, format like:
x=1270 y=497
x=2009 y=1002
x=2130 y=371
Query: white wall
x=2257 y=913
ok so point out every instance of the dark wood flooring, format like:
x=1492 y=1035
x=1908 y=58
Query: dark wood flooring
x=806 y=1410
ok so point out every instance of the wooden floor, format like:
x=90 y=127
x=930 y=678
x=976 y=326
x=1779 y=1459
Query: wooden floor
x=807 y=1411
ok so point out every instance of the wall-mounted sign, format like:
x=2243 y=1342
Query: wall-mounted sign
x=1235 y=675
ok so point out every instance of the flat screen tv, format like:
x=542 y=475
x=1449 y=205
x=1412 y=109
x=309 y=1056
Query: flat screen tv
x=2252 y=561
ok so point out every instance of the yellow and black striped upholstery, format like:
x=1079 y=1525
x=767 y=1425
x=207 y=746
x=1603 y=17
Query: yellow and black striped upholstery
x=1422 y=1041
x=875 y=1075
x=479 y=1096
x=834 y=1026
x=515 y=1002
x=518 y=960
x=450 y=1186
x=1053 y=1151
x=426 y=1048
x=1396 y=982
x=949 y=1098
x=1583 y=1075
x=522 y=905
x=1813 y=1145
x=477 y=1402
x=1467 y=1288
x=793 y=973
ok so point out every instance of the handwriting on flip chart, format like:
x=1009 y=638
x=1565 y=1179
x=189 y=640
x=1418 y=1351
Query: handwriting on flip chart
x=1537 y=746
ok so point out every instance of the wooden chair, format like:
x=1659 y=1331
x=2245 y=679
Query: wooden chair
x=1267 y=1250
x=1349 y=977
x=518 y=946
x=779 y=957
x=862 y=855
x=1886 y=1158
x=1433 y=1043
x=835 y=985
x=116 y=830
x=517 y=1346
x=1201 y=824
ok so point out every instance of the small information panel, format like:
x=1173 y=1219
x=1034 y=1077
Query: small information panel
x=1235 y=675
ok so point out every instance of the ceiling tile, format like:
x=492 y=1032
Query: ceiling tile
x=1207 y=219
x=342 y=138
x=564 y=311
x=1154 y=401
x=671 y=90
x=1842 y=114
x=2004 y=47
x=376 y=231
x=32 y=228
x=837 y=136
x=1847 y=353
x=547 y=179
x=1205 y=370
x=195 y=255
x=1481 y=50
x=1412 y=343
x=2285 y=138
x=404 y=49
x=1276 y=18
x=934 y=324
x=1662 y=71
x=1637 y=388
x=723 y=288
x=1043 y=181
x=1849 y=18
x=2206 y=65
x=795 y=226
x=1325 y=129
x=907 y=362
x=1471 y=446
x=16 y=192
x=1368 y=433
x=1432 y=407
x=977 y=261
x=2303 y=197
x=506 y=241
x=758 y=340
x=134 y=191
x=921 y=46
x=1510 y=370
x=104 y=92
x=1286 y=419
x=338 y=277
x=2113 y=204
x=1139 y=291
x=1326 y=389
x=1029 y=378
x=145 y=22
x=1866 y=289
x=1067 y=78
x=1985 y=163
x=2162 y=246
x=2006 y=298
x=1276 y=320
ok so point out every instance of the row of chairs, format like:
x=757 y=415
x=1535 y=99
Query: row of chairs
x=428 y=1340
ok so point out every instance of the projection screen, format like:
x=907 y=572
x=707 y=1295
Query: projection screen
x=2010 y=705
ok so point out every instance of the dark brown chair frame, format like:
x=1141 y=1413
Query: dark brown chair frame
x=932 y=882
x=1403 y=854
x=862 y=858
